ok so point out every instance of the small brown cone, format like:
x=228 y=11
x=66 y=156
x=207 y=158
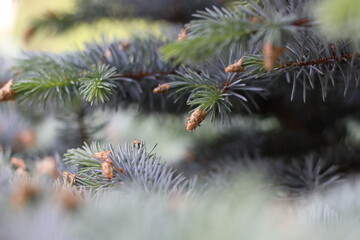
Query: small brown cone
x=162 y=88
x=107 y=170
x=69 y=178
x=25 y=139
x=104 y=156
x=6 y=93
x=183 y=34
x=195 y=119
x=236 y=67
x=137 y=142
x=271 y=55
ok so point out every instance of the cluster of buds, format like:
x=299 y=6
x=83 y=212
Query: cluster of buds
x=103 y=155
x=106 y=166
x=195 y=119
x=107 y=170
x=6 y=92
x=236 y=67
x=162 y=88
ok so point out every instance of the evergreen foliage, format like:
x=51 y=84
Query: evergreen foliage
x=288 y=94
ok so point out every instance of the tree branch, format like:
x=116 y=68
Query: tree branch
x=318 y=61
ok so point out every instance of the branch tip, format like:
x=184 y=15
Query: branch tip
x=196 y=119
x=6 y=92
x=162 y=88
x=236 y=67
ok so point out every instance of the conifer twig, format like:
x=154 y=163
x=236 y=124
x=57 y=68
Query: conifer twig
x=318 y=61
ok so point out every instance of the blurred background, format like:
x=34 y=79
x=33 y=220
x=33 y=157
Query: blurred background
x=61 y=26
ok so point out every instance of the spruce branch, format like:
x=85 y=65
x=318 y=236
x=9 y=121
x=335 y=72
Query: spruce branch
x=252 y=25
x=97 y=85
x=214 y=31
x=203 y=94
x=116 y=72
x=312 y=174
x=131 y=166
x=47 y=85
x=323 y=60
x=216 y=92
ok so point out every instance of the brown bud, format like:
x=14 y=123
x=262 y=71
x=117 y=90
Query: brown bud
x=124 y=45
x=24 y=193
x=137 y=142
x=236 y=67
x=68 y=198
x=18 y=163
x=271 y=55
x=69 y=177
x=162 y=88
x=29 y=33
x=121 y=170
x=103 y=155
x=256 y=20
x=25 y=139
x=47 y=166
x=6 y=93
x=195 y=119
x=107 y=170
x=183 y=34
x=108 y=54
